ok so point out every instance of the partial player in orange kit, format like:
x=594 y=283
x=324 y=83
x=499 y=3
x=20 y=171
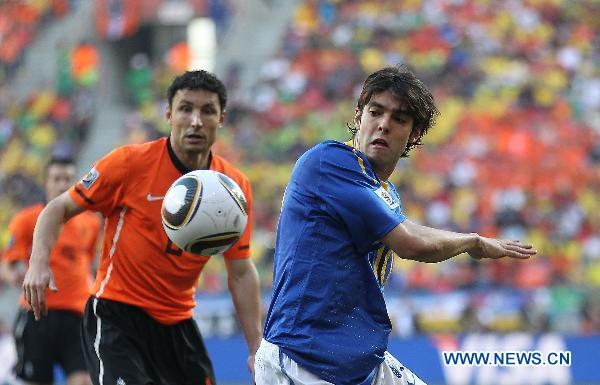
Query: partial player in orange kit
x=55 y=339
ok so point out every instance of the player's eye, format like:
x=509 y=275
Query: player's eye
x=402 y=119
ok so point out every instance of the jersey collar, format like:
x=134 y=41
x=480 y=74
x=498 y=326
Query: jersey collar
x=384 y=183
x=177 y=163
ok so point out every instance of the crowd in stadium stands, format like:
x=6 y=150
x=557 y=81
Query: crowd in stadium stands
x=19 y=21
x=516 y=152
x=49 y=122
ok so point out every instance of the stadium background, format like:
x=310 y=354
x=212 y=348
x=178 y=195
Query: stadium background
x=515 y=154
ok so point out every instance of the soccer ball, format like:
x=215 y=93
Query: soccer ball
x=204 y=212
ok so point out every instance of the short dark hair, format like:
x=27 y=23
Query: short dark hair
x=403 y=83
x=60 y=161
x=198 y=80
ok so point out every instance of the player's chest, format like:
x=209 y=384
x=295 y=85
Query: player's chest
x=144 y=198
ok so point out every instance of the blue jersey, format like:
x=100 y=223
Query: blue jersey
x=327 y=312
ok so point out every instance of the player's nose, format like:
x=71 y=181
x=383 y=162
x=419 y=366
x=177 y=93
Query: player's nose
x=384 y=123
x=196 y=120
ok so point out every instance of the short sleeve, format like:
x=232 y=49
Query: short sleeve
x=20 y=232
x=102 y=188
x=353 y=194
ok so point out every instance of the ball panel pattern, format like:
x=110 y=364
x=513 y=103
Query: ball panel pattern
x=189 y=204
x=236 y=193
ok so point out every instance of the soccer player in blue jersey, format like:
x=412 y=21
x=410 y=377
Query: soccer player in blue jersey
x=340 y=226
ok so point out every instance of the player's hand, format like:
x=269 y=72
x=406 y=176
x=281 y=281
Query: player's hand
x=37 y=279
x=498 y=248
x=250 y=364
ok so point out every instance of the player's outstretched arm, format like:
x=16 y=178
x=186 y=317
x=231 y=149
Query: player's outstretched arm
x=244 y=287
x=426 y=244
x=47 y=228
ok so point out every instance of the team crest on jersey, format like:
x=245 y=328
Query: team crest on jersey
x=387 y=198
x=89 y=179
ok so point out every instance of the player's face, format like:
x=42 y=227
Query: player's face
x=384 y=129
x=59 y=177
x=194 y=118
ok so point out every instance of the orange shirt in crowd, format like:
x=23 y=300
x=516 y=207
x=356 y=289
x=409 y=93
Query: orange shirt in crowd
x=139 y=265
x=70 y=260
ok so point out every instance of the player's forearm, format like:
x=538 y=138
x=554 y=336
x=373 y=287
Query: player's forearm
x=440 y=246
x=427 y=244
x=245 y=293
x=47 y=229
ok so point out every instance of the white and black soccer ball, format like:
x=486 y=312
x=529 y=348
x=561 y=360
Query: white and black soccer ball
x=204 y=212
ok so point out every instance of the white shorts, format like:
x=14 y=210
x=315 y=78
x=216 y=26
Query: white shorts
x=271 y=367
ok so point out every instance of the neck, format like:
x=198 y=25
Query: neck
x=191 y=160
x=382 y=173
x=195 y=161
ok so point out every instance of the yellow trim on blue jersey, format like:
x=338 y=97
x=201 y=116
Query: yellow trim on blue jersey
x=376 y=263
x=361 y=163
x=388 y=255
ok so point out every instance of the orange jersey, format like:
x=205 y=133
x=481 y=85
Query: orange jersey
x=70 y=259
x=139 y=265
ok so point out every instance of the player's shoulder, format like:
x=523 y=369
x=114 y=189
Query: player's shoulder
x=146 y=150
x=329 y=148
x=329 y=152
x=222 y=165
x=138 y=154
x=332 y=145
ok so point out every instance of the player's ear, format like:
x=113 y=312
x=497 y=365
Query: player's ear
x=222 y=118
x=414 y=134
x=357 y=116
x=168 y=114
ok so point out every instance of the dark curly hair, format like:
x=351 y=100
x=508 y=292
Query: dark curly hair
x=198 y=80
x=403 y=83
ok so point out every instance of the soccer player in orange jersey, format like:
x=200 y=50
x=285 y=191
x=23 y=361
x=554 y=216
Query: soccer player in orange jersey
x=137 y=326
x=54 y=340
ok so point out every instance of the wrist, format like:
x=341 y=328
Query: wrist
x=476 y=240
x=475 y=246
x=39 y=259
